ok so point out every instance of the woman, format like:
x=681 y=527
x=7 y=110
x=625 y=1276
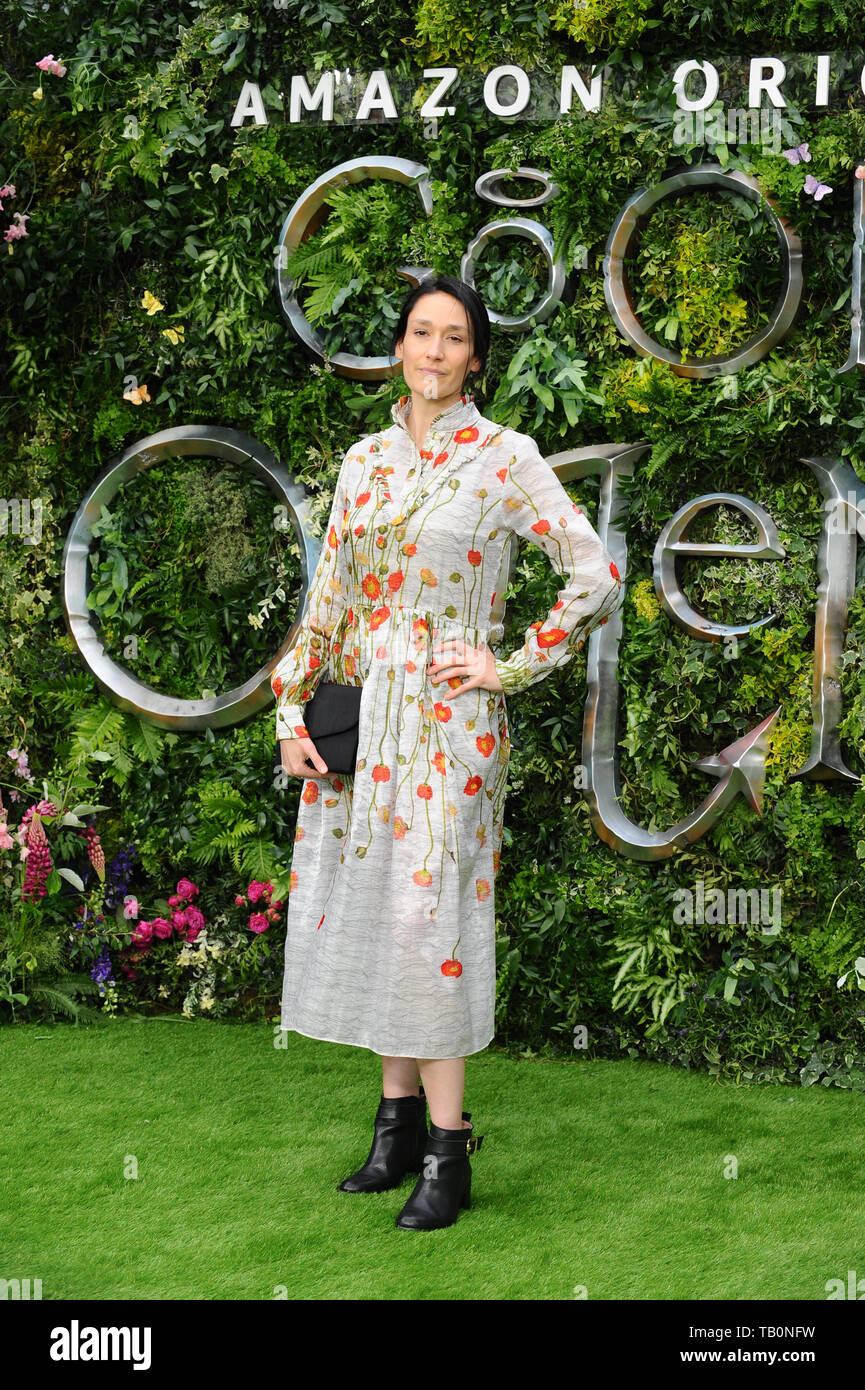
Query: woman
x=390 y=941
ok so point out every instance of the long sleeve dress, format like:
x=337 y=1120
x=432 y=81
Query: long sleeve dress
x=390 y=931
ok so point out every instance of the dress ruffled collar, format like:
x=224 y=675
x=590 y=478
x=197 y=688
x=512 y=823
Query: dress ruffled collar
x=457 y=416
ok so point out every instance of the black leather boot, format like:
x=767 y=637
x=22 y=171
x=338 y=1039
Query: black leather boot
x=397 y=1147
x=445 y=1183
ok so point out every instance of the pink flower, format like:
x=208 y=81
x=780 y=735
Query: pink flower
x=6 y=841
x=258 y=922
x=161 y=928
x=14 y=233
x=254 y=891
x=130 y=907
x=186 y=889
x=240 y=901
x=143 y=932
x=50 y=64
x=194 y=919
x=173 y=900
x=179 y=920
x=7 y=191
x=192 y=933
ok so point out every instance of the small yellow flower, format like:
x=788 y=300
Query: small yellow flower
x=37 y=95
x=151 y=303
x=174 y=335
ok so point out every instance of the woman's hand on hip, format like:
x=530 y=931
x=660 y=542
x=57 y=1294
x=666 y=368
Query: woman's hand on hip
x=300 y=758
x=454 y=658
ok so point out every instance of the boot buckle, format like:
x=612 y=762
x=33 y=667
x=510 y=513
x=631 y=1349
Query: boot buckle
x=473 y=1144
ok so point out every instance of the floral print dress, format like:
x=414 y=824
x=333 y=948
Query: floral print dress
x=390 y=935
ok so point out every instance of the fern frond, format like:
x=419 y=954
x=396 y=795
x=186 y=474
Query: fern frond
x=96 y=727
x=147 y=741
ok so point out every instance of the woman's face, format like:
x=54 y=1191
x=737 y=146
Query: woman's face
x=436 y=350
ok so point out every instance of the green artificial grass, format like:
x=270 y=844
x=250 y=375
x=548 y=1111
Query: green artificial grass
x=603 y=1174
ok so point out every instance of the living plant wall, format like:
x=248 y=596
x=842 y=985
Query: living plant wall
x=141 y=292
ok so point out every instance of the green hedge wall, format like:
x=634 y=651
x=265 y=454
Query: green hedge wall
x=148 y=263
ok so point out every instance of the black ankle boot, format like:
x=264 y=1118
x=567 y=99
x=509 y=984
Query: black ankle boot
x=397 y=1147
x=445 y=1183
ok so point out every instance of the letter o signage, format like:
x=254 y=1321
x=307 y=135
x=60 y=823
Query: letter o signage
x=210 y=441
x=619 y=299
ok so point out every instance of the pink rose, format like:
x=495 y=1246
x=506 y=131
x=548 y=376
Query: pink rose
x=179 y=920
x=186 y=889
x=161 y=928
x=142 y=933
x=255 y=890
x=173 y=900
x=258 y=922
x=240 y=901
x=192 y=933
x=194 y=918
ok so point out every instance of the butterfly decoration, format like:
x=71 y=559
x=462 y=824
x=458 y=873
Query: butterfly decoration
x=174 y=335
x=799 y=154
x=814 y=186
x=151 y=303
x=137 y=394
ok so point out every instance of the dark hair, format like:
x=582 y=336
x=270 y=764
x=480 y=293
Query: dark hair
x=470 y=299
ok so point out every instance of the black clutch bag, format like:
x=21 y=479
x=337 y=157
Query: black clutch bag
x=332 y=718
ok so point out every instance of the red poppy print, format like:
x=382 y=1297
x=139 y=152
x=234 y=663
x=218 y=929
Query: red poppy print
x=439 y=762
x=380 y=773
x=371 y=586
x=422 y=877
x=443 y=712
x=379 y=616
x=332 y=538
x=486 y=743
x=425 y=791
x=363 y=498
x=276 y=685
x=442 y=458
x=399 y=828
x=473 y=785
x=542 y=527
x=310 y=793
x=552 y=637
x=474 y=557
x=395 y=581
x=467 y=435
x=614 y=572
x=301 y=731
x=483 y=889
x=409 y=549
x=501 y=474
